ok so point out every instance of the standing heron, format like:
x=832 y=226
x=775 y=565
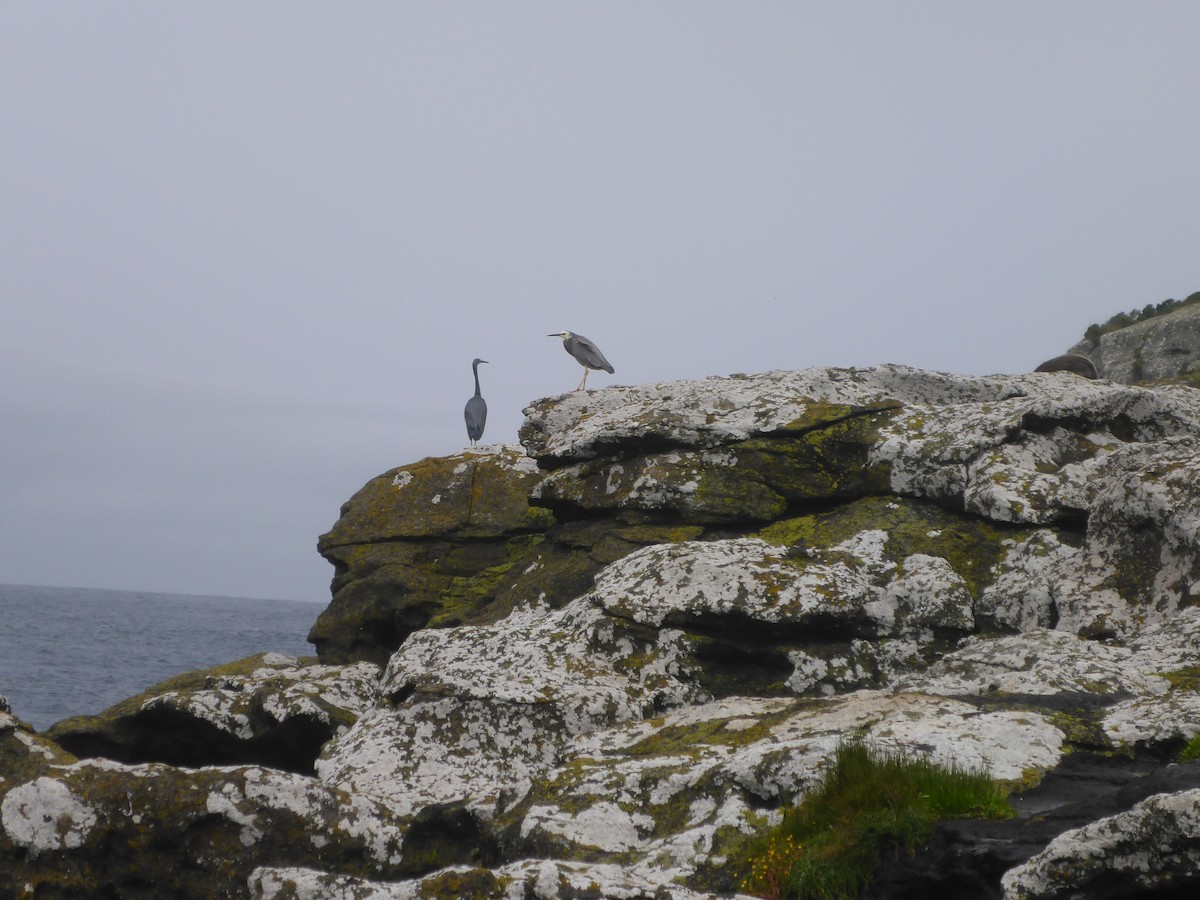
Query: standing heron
x=585 y=352
x=476 y=410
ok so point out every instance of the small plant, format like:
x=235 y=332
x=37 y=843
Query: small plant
x=772 y=867
x=1191 y=751
x=869 y=801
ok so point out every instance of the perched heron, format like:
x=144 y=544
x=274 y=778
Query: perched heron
x=476 y=410
x=585 y=352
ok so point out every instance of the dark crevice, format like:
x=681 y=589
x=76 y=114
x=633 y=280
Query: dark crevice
x=629 y=447
x=446 y=834
x=966 y=858
x=736 y=628
x=163 y=735
x=1121 y=426
x=398 y=697
x=449 y=538
x=785 y=434
x=626 y=448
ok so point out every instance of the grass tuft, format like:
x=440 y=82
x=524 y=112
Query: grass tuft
x=1191 y=751
x=868 y=801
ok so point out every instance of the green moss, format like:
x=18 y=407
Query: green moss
x=1136 y=564
x=821 y=415
x=27 y=757
x=734 y=494
x=647 y=534
x=466 y=596
x=452 y=885
x=689 y=740
x=971 y=546
x=816 y=463
x=689 y=483
x=1187 y=679
x=1082 y=728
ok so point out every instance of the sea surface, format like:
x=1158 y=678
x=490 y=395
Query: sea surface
x=75 y=651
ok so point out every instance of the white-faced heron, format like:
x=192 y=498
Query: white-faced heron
x=585 y=352
x=476 y=410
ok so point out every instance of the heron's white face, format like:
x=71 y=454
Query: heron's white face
x=561 y=334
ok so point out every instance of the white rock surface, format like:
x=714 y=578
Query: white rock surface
x=280 y=689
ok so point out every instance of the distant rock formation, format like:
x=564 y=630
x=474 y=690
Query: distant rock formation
x=1069 y=362
x=594 y=665
x=1161 y=348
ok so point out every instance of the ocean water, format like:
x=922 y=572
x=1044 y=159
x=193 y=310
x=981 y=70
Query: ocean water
x=74 y=651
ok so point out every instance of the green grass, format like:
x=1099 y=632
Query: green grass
x=1191 y=751
x=869 y=802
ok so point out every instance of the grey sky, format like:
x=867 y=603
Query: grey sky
x=250 y=249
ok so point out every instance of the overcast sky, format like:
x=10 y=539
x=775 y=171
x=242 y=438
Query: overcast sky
x=248 y=250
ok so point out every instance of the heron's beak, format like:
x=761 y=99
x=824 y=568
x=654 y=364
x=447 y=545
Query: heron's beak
x=555 y=335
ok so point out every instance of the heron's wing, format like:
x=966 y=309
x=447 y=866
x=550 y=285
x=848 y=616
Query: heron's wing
x=589 y=354
x=475 y=414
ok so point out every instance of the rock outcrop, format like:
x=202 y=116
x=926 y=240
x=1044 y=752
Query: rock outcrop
x=1161 y=348
x=269 y=710
x=597 y=665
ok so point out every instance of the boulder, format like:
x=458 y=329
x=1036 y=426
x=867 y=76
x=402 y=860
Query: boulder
x=969 y=858
x=99 y=828
x=1069 y=362
x=268 y=710
x=427 y=544
x=1153 y=846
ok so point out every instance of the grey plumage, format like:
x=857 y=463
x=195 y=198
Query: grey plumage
x=475 y=412
x=585 y=352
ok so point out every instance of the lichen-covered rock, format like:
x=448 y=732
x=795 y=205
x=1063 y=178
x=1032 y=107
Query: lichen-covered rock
x=477 y=493
x=665 y=626
x=716 y=411
x=705 y=487
x=670 y=795
x=1155 y=846
x=1038 y=662
x=429 y=543
x=1107 y=696
x=25 y=754
x=1022 y=593
x=532 y=878
x=1027 y=455
x=507 y=697
x=99 y=828
x=838 y=617
x=268 y=709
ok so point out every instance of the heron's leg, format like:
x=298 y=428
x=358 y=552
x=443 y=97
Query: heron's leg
x=583 y=383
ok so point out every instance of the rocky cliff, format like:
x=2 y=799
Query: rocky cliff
x=594 y=665
x=1159 y=348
